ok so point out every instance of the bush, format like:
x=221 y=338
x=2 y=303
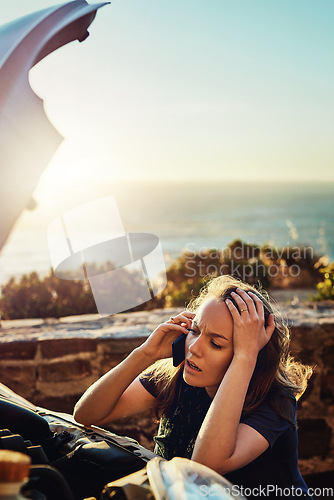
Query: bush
x=326 y=287
x=31 y=297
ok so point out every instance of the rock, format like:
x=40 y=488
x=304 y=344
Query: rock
x=314 y=437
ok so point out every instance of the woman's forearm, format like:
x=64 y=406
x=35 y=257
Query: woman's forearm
x=100 y=399
x=216 y=439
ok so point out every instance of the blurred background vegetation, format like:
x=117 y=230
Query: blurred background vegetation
x=290 y=267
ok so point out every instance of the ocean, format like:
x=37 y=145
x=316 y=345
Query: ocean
x=194 y=216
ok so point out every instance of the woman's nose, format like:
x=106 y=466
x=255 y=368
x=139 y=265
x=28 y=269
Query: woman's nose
x=195 y=346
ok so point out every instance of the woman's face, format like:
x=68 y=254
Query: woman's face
x=209 y=347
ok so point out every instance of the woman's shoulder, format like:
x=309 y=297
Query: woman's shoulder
x=279 y=404
x=272 y=419
x=279 y=408
x=148 y=380
x=282 y=402
x=282 y=395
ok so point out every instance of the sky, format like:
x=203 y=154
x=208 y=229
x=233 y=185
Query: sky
x=191 y=89
x=186 y=91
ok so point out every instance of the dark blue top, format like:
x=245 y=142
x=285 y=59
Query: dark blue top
x=275 y=470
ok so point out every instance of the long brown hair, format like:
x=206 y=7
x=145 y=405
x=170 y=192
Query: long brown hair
x=277 y=375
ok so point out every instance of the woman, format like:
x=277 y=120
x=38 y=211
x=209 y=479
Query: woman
x=231 y=405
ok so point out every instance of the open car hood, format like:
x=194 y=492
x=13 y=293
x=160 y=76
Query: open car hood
x=27 y=138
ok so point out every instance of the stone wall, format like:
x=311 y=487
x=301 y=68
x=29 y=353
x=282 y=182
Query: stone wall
x=52 y=362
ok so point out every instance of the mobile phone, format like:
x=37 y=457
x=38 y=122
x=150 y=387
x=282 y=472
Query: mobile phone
x=178 y=349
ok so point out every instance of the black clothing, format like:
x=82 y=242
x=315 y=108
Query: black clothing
x=275 y=469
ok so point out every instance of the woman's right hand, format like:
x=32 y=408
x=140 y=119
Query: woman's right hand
x=159 y=343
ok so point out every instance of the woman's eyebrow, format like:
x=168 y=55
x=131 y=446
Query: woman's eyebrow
x=211 y=333
x=218 y=335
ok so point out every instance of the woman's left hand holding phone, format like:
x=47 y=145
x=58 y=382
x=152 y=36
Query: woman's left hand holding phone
x=159 y=343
